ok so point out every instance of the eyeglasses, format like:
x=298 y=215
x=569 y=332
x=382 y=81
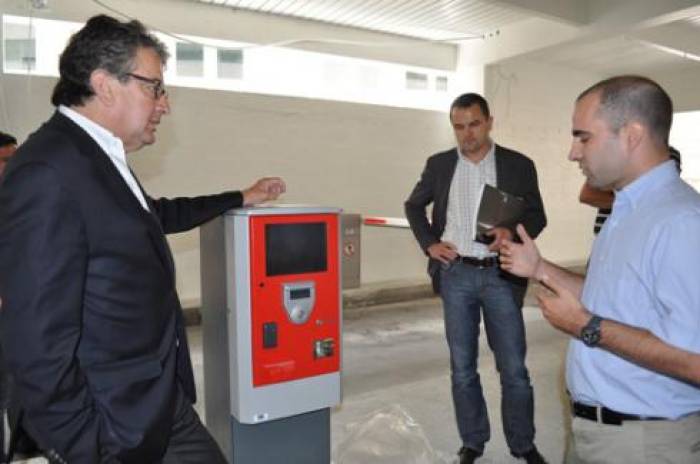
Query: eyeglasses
x=156 y=85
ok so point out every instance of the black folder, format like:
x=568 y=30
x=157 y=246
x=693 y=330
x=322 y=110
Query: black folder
x=496 y=209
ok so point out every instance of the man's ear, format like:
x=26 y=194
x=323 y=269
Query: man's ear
x=633 y=134
x=104 y=86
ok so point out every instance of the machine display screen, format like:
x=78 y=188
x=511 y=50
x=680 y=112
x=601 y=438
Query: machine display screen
x=295 y=248
x=299 y=293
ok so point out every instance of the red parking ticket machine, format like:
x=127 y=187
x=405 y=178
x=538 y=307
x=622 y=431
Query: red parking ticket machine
x=271 y=332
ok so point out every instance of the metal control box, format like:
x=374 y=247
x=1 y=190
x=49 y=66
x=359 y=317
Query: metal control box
x=271 y=317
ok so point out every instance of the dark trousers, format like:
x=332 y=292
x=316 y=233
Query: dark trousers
x=190 y=442
x=3 y=458
x=4 y=402
x=467 y=290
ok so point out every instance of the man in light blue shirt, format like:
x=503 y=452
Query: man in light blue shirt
x=634 y=372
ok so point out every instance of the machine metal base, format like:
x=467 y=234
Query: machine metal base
x=300 y=439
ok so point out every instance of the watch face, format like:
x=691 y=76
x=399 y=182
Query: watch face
x=590 y=335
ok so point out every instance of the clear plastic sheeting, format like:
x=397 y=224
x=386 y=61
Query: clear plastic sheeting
x=387 y=436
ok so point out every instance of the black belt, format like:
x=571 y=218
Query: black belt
x=480 y=263
x=605 y=415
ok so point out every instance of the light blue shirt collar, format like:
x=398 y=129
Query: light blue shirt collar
x=646 y=184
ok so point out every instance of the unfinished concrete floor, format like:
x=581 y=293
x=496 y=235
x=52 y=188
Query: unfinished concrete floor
x=396 y=355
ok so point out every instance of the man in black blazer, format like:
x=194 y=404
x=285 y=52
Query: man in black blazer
x=467 y=275
x=93 y=329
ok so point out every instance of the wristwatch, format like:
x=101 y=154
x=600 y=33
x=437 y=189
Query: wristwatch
x=590 y=334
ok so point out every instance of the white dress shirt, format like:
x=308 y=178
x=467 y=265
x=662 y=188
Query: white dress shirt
x=111 y=145
x=467 y=182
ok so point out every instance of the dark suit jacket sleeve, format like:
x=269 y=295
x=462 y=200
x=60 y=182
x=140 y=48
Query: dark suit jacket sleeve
x=416 y=208
x=43 y=254
x=534 y=218
x=182 y=214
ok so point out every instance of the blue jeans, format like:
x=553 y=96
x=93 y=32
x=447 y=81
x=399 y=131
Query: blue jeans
x=465 y=291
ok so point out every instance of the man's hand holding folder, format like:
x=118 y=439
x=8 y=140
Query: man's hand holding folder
x=497 y=215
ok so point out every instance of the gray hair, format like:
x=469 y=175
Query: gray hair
x=103 y=43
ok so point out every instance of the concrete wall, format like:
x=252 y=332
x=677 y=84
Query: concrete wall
x=532 y=105
x=362 y=158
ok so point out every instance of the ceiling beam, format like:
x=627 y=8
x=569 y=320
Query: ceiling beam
x=569 y=11
x=677 y=38
x=607 y=18
x=626 y=15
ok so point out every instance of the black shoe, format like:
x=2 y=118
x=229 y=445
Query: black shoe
x=532 y=457
x=468 y=455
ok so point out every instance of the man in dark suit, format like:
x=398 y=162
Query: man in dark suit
x=92 y=326
x=467 y=276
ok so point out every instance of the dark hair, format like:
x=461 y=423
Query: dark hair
x=103 y=43
x=7 y=139
x=634 y=98
x=468 y=99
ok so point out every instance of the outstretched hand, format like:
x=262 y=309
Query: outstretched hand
x=265 y=189
x=561 y=308
x=522 y=259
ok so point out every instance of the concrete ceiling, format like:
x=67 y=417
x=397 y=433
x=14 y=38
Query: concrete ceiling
x=603 y=36
x=667 y=48
x=624 y=54
x=425 y=19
